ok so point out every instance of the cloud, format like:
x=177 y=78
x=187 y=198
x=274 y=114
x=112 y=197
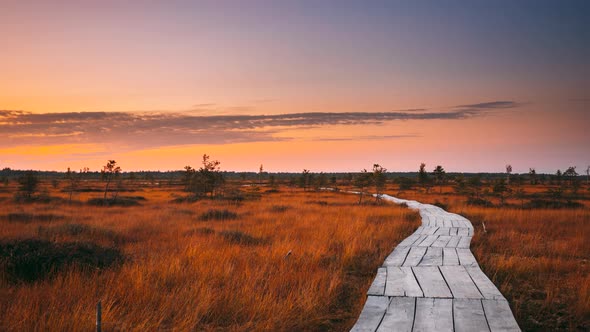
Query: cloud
x=134 y=130
x=491 y=105
x=363 y=138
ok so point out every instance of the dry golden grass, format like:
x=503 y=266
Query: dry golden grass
x=183 y=273
x=538 y=258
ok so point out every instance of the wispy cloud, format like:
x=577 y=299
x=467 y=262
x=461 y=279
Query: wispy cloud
x=153 y=129
x=491 y=105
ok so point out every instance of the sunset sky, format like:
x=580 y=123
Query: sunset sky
x=322 y=85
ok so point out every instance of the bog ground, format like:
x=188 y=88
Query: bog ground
x=264 y=258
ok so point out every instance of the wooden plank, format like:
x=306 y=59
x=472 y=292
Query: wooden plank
x=469 y=316
x=430 y=230
x=484 y=284
x=434 y=315
x=499 y=316
x=426 y=230
x=464 y=242
x=456 y=223
x=428 y=241
x=409 y=240
x=433 y=257
x=454 y=231
x=431 y=281
x=460 y=282
x=463 y=231
x=399 y=315
x=402 y=282
x=397 y=256
x=441 y=241
x=442 y=231
x=414 y=256
x=448 y=223
x=453 y=242
x=466 y=257
x=372 y=313
x=450 y=256
x=378 y=285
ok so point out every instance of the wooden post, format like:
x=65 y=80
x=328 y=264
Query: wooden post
x=98 y=316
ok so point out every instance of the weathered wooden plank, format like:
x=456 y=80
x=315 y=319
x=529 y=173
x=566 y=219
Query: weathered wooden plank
x=399 y=315
x=441 y=241
x=464 y=242
x=428 y=241
x=463 y=231
x=442 y=231
x=469 y=316
x=466 y=257
x=430 y=230
x=397 y=256
x=434 y=315
x=450 y=256
x=456 y=223
x=409 y=240
x=484 y=284
x=453 y=231
x=402 y=282
x=372 y=314
x=415 y=256
x=460 y=282
x=499 y=316
x=448 y=223
x=453 y=242
x=431 y=281
x=378 y=285
x=433 y=257
x=426 y=230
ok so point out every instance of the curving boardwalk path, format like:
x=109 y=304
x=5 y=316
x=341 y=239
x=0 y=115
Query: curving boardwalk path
x=432 y=282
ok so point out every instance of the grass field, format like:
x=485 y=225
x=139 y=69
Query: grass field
x=283 y=261
x=275 y=260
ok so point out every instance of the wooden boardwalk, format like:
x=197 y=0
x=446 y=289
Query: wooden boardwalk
x=432 y=282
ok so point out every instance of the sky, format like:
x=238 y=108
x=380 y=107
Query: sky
x=321 y=85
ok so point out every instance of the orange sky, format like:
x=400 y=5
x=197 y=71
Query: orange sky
x=146 y=85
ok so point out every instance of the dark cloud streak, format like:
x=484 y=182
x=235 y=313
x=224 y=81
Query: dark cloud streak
x=154 y=129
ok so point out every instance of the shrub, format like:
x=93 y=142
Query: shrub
x=80 y=231
x=552 y=204
x=479 y=202
x=218 y=215
x=32 y=259
x=119 y=201
x=279 y=208
x=241 y=238
x=28 y=217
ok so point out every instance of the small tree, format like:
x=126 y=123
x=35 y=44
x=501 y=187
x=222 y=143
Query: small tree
x=109 y=172
x=28 y=184
x=508 y=172
x=423 y=177
x=379 y=180
x=362 y=181
x=208 y=179
x=187 y=178
x=439 y=174
x=73 y=182
x=532 y=176
x=572 y=177
x=260 y=172
x=588 y=175
x=304 y=179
